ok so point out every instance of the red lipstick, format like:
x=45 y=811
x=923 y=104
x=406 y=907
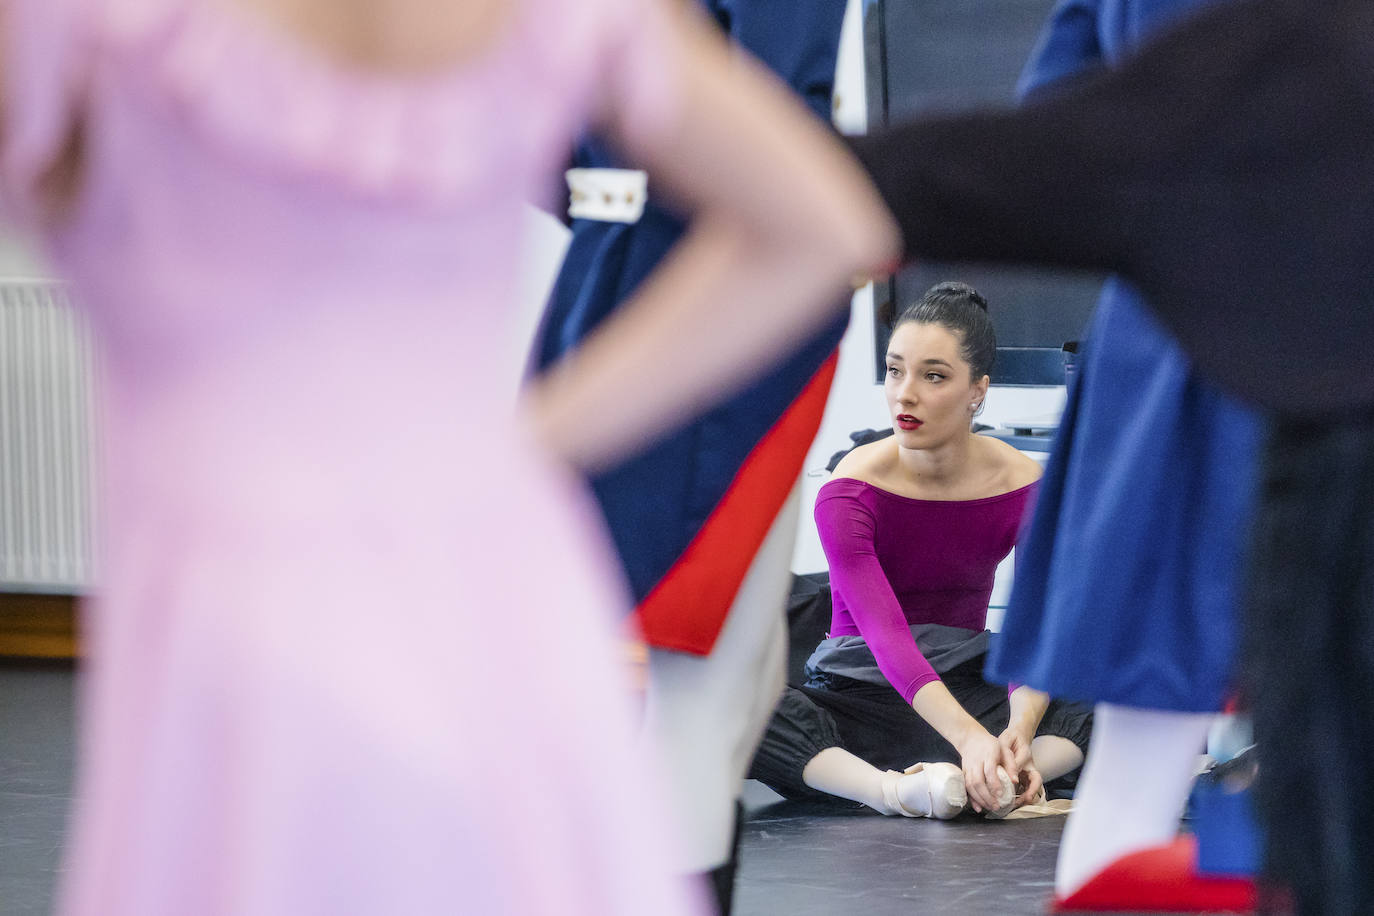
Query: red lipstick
x=907 y=421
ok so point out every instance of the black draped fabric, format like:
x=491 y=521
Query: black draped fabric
x=875 y=724
x=1227 y=169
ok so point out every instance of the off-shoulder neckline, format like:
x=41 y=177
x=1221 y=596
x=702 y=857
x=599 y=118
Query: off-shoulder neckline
x=874 y=488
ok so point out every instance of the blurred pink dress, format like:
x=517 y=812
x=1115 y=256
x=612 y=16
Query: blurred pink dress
x=351 y=647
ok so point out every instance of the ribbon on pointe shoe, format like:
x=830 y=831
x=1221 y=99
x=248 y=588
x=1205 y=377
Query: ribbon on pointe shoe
x=945 y=792
x=891 y=799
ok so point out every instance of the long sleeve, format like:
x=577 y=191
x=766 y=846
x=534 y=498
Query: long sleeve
x=1225 y=170
x=847 y=533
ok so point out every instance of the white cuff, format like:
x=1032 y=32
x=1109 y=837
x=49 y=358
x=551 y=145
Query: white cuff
x=609 y=195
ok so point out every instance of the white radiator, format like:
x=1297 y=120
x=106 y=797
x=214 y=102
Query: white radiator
x=45 y=440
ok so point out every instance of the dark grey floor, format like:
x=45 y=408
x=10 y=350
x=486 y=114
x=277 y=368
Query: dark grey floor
x=808 y=858
x=797 y=858
x=36 y=753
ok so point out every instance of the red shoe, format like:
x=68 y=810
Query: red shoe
x=1162 y=879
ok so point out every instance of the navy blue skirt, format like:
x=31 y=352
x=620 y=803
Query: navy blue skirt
x=1129 y=576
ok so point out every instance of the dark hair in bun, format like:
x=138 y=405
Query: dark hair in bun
x=963 y=310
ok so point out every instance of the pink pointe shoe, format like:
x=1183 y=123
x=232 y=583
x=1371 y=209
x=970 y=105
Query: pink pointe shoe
x=925 y=790
x=1006 y=797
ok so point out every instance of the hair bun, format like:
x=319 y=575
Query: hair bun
x=955 y=288
x=963 y=310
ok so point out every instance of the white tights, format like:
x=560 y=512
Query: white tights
x=704 y=715
x=1132 y=790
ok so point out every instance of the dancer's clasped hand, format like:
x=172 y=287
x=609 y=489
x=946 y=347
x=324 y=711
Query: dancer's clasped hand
x=980 y=754
x=1024 y=775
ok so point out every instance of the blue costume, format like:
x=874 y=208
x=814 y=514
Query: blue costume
x=1128 y=581
x=687 y=514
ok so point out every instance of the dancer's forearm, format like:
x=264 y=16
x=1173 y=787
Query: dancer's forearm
x=942 y=712
x=1027 y=709
x=782 y=218
x=721 y=307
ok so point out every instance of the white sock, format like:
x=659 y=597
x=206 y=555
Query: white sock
x=1132 y=790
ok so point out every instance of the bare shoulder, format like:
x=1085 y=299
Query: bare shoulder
x=1010 y=465
x=870 y=463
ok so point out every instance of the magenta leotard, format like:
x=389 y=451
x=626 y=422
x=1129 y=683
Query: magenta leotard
x=897 y=561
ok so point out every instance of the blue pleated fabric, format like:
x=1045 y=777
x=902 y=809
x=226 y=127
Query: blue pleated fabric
x=1129 y=576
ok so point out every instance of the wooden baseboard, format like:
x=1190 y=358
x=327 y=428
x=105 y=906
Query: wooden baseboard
x=38 y=626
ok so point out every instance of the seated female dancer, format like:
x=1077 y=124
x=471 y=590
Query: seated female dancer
x=913 y=527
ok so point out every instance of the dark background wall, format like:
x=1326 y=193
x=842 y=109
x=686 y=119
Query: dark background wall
x=923 y=56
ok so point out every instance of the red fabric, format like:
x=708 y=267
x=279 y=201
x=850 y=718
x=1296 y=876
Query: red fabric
x=1163 y=879
x=687 y=608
